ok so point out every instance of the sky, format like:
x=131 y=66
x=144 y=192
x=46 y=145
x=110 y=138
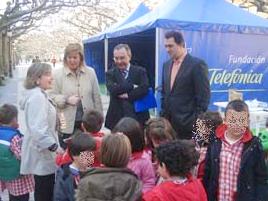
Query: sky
x=3 y=4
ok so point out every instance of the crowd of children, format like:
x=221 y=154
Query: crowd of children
x=223 y=161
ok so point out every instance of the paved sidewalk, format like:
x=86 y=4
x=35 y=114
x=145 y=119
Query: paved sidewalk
x=8 y=92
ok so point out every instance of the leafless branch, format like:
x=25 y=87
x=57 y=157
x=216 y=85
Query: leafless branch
x=25 y=10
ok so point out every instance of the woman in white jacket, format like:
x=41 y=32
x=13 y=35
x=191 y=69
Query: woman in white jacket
x=40 y=140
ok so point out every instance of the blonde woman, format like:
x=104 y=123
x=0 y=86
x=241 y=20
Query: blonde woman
x=40 y=140
x=75 y=90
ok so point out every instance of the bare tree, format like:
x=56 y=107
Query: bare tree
x=94 y=20
x=46 y=44
x=22 y=15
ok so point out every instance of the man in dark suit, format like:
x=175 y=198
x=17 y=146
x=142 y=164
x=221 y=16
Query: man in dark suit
x=126 y=83
x=185 y=86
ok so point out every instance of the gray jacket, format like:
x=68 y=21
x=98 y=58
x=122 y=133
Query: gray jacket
x=40 y=123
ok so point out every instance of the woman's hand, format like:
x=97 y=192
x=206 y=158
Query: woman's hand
x=59 y=150
x=73 y=100
x=123 y=96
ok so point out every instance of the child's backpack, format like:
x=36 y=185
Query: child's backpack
x=9 y=164
x=263 y=135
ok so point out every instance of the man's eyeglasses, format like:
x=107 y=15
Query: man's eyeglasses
x=119 y=58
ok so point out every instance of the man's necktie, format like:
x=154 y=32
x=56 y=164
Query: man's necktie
x=124 y=73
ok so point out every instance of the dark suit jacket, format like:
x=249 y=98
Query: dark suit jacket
x=116 y=85
x=189 y=95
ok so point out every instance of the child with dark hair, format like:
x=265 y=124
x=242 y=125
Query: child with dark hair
x=235 y=166
x=140 y=162
x=18 y=186
x=68 y=175
x=203 y=131
x=176 y=161
x=114 y=181
x=91 y=125
x=157 y=131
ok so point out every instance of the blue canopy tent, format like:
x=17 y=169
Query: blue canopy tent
x=96 y=47
x=232 y=41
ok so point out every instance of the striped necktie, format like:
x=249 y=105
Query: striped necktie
x=124 y=73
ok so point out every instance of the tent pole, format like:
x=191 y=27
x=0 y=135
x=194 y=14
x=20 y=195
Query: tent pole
x=106 y=54
x=157 y=92
x=156 y=56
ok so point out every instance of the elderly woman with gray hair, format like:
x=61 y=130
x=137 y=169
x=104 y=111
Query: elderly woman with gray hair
x=75 y=90
x=40 y=140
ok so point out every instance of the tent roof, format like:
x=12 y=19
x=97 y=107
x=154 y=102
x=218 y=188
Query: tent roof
x=209 y=15
x=140 y=11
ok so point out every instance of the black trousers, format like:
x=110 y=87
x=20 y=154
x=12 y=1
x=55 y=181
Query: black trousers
x=44 y=187
x=63 y=136
x=24 y=197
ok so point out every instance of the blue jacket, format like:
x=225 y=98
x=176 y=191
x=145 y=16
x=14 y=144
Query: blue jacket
x=9 y=164
x=252 y=178
x=64 y=185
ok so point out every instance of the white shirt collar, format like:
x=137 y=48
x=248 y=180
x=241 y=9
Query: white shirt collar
x=128 y=66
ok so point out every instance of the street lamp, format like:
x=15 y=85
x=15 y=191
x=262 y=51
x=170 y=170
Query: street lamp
x=9 y=35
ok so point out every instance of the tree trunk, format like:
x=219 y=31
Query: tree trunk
x=5 y=53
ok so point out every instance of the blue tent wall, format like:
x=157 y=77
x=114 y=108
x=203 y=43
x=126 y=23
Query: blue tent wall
x=94 y=55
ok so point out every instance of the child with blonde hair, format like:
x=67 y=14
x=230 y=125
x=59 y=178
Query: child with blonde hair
x=114 y=181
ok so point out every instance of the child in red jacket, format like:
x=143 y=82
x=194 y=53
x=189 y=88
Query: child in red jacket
x=91 y=124
x=176 y=160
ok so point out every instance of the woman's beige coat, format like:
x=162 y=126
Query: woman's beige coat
x=67 y=83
